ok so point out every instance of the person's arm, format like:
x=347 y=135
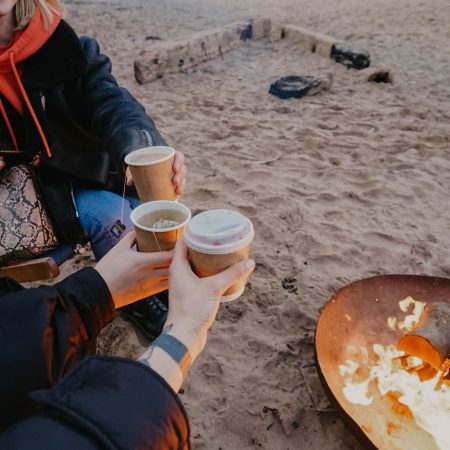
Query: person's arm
x=193 y=306
x=104 y=403
x=115 y=114
x=117 y=117
x=118 y=403
x=45 y=331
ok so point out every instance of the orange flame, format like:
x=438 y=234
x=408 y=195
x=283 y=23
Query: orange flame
x=429 y=401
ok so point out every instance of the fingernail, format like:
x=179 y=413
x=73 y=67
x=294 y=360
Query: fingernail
x=250 y=264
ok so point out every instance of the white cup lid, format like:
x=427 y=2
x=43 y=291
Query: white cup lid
x=218 y=231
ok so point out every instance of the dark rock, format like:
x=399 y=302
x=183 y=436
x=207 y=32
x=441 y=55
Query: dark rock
x=350 y=58
x=376 y=75
x=247 y=32
x=293 y=86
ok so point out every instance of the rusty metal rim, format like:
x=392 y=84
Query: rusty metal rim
x=351 y=424
x=363 y=300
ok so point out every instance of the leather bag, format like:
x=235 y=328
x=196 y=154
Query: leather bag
x=26 y=229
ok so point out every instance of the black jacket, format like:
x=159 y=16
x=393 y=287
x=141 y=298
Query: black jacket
x=103 y=403
x=90 y=123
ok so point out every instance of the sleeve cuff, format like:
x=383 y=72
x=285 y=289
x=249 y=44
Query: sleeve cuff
x=91 y=297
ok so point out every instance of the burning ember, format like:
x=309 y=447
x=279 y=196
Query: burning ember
x=412 y=319
x=419 y=386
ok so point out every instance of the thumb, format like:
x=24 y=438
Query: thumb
x=222 y=281
x=180 y=257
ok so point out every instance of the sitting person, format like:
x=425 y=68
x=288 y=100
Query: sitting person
x=61 y=109
x=102 y=402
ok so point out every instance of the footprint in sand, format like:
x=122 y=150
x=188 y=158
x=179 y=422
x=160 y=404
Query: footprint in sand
x=204 y=195
x=293 y=218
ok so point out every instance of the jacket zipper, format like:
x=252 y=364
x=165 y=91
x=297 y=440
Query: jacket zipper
x=73 y=200
x=42 y=99
x=148 y=138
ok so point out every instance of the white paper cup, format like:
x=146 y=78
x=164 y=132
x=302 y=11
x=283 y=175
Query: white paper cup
x=150 y=239
x=217 y=239
x=152 y=172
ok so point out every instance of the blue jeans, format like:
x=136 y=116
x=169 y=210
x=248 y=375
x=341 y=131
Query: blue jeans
x=98 y=213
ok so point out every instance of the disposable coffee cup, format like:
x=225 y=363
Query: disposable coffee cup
x=149 y=217
x=152 y=172
x=217 y=239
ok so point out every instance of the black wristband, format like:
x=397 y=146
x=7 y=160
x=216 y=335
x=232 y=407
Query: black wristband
x=175 y=349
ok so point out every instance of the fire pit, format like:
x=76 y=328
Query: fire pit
x=352 y=322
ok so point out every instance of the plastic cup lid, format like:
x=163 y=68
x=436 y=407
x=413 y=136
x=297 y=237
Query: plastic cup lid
x=218 y=231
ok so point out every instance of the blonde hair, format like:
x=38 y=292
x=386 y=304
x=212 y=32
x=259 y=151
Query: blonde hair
x=25 y=10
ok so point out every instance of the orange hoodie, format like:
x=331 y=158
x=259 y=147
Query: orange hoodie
x=25 y=43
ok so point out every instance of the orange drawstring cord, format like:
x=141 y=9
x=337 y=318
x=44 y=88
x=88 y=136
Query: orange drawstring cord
x=27 y=102
x=8 y=125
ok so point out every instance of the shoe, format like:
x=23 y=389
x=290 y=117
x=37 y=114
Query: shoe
x=148 y=315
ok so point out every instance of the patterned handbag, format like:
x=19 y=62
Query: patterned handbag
x=26 y=230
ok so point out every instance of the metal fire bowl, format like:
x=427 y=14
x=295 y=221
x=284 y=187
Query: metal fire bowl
x=357 y=315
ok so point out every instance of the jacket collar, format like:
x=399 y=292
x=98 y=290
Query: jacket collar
x=59 y=59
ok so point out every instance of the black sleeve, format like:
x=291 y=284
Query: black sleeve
x=105 y=403
x=115 y=114
x=44 y=332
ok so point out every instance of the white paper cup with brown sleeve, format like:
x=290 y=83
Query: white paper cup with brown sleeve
x=217 y=239
x=152 y=172
x=159 y=224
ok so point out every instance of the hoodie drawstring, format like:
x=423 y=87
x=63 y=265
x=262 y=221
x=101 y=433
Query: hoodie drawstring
x=30 y=109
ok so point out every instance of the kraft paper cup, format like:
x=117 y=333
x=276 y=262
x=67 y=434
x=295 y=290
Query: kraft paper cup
x=217 y=239
x=150 y=239
x=153 y=176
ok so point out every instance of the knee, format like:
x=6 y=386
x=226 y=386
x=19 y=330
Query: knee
x=100 y=208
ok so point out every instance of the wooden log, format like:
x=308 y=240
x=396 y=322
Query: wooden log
x=34 y=270
x=327 y=46
x=430 y=339
x=161 y=58
x=310 y=40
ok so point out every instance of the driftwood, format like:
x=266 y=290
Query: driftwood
x=327 y=46
x=161 y=57
x=430 y=339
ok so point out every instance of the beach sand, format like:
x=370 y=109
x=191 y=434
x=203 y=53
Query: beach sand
x=347 y=184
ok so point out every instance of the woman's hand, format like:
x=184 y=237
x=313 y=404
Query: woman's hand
x=180 y=172
x=194 y=301
x=179 y=177
x=193 y=305
x=132 y=275
x=2 y=163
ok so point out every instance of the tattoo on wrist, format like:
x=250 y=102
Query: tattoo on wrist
x=177 y=351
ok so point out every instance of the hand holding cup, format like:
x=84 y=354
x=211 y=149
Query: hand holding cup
x=158 y=173
x=194 y=301
x=179 y=177
x=217 y=239
x=130 y=275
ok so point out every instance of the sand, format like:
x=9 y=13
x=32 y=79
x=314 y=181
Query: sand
x=340 y=186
